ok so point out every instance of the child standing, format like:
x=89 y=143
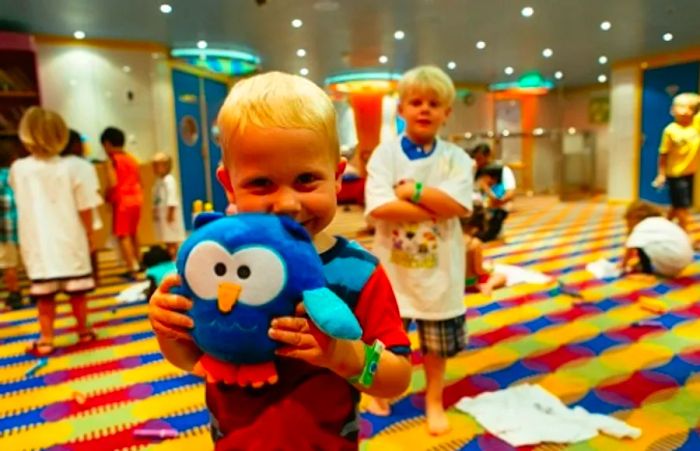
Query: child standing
x=417 y=188
x=678 y=157
x=167 y=215
x=125 y=195
x=281 y=156
x=54 y=214
x=658 y=245
x=8 y=227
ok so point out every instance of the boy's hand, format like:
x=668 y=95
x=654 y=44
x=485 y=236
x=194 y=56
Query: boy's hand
x=302 y=339
x=165 y=311
x=659 y=181
x=405 y=189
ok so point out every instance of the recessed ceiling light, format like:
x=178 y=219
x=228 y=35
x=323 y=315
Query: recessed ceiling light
x=668 y=37
x=451 y=65
x=489 y=134
x=528 y=11
x=602 y=78
x=509 y=70
x=383 y=59
x=547 y=53
x=558 y=75
x=481 y=45
x=297 y=23
x=126 y=69
x=605 y=25
x=79 y=35
x=398 y=35
x=468 y=135
x=571 y=130
x=538 y=131
x=602 y=59
x=166 y=9
x=301 y=53
x=304 y=71
x=202 y=44
x=505 y=133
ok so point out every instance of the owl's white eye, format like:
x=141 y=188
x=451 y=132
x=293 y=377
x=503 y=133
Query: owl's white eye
x=207 y=266
x=259 y=271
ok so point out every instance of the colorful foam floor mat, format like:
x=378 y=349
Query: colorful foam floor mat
x=608 y=351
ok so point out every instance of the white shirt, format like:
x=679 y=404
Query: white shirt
x=88 y=174
x=667 y=245
x=165 y=196
x=49 y=194
x=424 y=261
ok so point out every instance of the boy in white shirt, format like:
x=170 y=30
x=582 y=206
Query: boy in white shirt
x=417 y=188
x=167 y=215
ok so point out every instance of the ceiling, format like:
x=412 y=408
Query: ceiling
x=351 y=34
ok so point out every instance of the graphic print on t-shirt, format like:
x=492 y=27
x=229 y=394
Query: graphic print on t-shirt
x=415 y=245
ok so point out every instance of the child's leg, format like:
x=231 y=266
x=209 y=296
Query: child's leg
x=495 y=280
x=126 y=247
x=78 y=304
x=46 y=306
x=172 y=249
x=135 y=245
x=434 y=365
x=683 y=216
x=11 y=280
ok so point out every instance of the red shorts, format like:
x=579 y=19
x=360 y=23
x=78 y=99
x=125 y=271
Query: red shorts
x=126 y=220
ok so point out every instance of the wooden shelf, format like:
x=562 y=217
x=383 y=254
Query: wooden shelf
x=19 y=94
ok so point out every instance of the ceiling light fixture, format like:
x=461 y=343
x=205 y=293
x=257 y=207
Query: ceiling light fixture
x=668 y=37
x=399 y=35
x=79 y=35
x=166 y=9
x=547 y=53
x=572 y=130
x=126 y=69
x=481 y=45
x=297 y=23
x=451 y=65
x=558 y=75
x=602 y=78
x=509 y=70
x=304 y=71
x=301 y=53
x=202 y=44
x=605 y=25
x=383 y=59
x=602 y=59
x=528 y=11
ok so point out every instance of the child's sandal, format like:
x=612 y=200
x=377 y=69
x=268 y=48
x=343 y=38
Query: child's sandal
x=87 y=337
x=40 y=349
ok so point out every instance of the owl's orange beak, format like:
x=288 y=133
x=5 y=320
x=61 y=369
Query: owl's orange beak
x=227 y=296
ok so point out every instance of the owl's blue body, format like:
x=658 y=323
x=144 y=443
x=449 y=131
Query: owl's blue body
x=275 y=264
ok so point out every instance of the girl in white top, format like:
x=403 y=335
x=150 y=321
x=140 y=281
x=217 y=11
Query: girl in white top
x=167 y=215
x=655 y=245
x=54 y=208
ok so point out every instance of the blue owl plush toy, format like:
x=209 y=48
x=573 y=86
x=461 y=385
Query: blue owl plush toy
x=242 y=271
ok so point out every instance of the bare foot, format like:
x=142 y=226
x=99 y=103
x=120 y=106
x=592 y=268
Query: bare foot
x=438 y=424
x=379 y=407
x=485 y=289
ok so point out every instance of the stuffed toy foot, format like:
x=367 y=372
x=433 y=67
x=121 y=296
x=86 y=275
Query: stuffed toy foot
x=214 y=370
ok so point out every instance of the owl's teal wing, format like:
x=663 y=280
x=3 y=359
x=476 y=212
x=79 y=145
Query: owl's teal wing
x=331 y=314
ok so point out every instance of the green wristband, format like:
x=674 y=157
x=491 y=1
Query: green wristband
x=372 y=355
x=417 y=192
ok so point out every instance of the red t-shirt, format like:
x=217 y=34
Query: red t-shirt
x=127 y=191
x=312 y=407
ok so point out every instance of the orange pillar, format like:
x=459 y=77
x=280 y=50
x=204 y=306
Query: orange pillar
x=367 y=108
x=528 y=119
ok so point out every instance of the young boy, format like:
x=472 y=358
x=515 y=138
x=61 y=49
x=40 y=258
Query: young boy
x=9 y=259
x=417 y=188
x=167 y=215
x=125 y=195
x=281 y=156
x=678 y=157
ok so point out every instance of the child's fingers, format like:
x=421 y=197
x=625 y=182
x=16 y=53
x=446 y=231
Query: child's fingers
x=171 y=318
x=294 y=339
x=300 y=310
x=173 y=280
x=170 y=332
x=293 y=323
x=171 y=302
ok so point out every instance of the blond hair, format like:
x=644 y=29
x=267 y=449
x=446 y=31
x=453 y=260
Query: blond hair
x=429 y=78
x=43 y=132
x=689 y=98
x=280 y=100
x=162 y=157
x=639 y=210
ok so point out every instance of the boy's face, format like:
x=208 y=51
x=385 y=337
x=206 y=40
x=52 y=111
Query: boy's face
x=283 y=171
x=424 y=114
x=683 y=111
x=160 y=168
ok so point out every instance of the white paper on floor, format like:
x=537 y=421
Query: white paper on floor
x=603 y=269
x=517 y=274
x=135 y=293
x=528 y=414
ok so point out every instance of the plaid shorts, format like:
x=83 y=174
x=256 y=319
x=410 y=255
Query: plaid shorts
x=445 y=338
